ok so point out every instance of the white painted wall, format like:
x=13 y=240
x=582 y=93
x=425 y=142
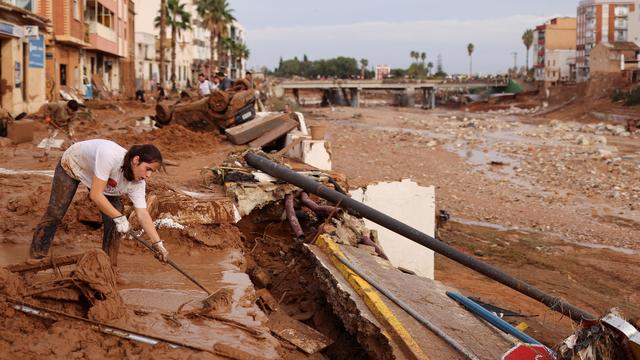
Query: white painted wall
x=411 y=204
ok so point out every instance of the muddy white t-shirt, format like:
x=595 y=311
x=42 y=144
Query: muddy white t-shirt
x=103 y=158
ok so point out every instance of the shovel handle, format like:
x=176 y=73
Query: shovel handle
x=170 y=262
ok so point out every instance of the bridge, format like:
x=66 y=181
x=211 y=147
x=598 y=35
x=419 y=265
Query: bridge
x=355 y=87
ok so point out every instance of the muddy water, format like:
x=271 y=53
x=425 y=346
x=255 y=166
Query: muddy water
x=12 y=254
x=4 y=171
x=498 y=228
x=159 y=290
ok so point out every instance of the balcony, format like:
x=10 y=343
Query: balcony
x=102 y=31
x=101 y=37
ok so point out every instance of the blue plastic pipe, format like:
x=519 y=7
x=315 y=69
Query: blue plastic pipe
x=492 y=318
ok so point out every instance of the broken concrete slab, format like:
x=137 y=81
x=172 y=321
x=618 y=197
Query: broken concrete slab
x=251 y=196
x=426 y=296
x=253 y=129
x=274 y=134
x=411 y=204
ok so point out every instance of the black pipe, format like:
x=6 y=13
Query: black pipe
x=310 y=185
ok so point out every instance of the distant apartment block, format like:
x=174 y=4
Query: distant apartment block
x=554 y=49
x=605 y=21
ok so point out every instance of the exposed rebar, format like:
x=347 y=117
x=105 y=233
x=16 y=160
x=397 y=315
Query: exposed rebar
x=291 y=216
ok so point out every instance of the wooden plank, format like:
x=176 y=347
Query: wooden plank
x=274 y=134
x=302 y=336
x=253 y=129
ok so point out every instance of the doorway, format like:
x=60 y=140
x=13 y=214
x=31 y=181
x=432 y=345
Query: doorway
x=63 y=74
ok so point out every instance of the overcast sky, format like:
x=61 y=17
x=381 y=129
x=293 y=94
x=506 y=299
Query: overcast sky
x=384 y=32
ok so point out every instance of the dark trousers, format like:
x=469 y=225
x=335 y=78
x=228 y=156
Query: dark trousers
x=63 y=188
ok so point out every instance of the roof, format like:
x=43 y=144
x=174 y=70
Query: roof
x=622 y=46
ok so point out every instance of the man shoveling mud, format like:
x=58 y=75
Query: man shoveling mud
x=58 y=116
x=109 y=171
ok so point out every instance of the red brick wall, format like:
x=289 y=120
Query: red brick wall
x=58 y=17
x=612 y=24
x=598 y=24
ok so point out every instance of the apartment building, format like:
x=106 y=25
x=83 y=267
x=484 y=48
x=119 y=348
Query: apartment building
x=65 y=44
x=193 y=53
x=603 y=21
x=554 y=50
x=147 y=34
x=146 y=61
x=108 y=35
x=200 y=45
x=22 y=56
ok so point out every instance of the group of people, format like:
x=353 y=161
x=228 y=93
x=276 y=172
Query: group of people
x=218 y=82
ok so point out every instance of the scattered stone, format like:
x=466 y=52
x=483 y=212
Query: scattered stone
x=600 y=140
x=260 y=278
x=582 y=140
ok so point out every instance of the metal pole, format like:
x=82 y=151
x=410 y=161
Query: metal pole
x=310 y=185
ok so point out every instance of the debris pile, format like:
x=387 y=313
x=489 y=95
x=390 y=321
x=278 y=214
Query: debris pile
x=92 y=282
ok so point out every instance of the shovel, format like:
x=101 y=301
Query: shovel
x=210 y=299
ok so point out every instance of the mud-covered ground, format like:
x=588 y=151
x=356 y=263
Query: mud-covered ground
x=552 y=202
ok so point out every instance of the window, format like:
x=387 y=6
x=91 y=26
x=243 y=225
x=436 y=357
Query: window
x=25 y=4
x=621 y=10
x=76 y=9
x=105 y=16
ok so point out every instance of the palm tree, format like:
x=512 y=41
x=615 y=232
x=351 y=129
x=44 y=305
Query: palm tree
x=423 y=56
x=429 y=68
x=363 y=65
x=470 y=49
x=163 y=39
x=413 y=54
x=216 y=15
x=179 y=20
x=527 y=40
x=225 y=46
x=239 y=51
